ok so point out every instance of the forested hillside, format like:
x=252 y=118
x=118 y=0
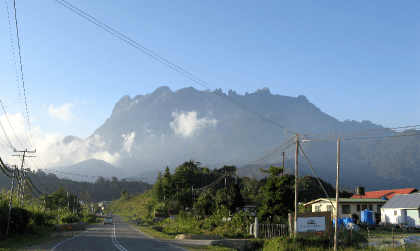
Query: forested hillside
x=101 y=190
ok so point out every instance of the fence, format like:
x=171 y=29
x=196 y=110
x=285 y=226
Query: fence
x=268 y=230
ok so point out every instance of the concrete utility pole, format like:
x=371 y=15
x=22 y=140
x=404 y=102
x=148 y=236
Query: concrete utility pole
x=45 y=205
x=337 y=195
x=21 y=187
x=283 y=163
x=68 y=200
x=296 y=184
x=10 y=202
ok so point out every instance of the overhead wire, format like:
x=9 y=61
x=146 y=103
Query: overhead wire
x=7 y=117
x=165 y=62
x=367 y=134
x=316 y=175
x=21 y=71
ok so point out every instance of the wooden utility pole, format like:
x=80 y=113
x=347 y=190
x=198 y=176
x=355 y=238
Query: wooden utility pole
x=337 y=195
x=10 y=202
x=296 y=185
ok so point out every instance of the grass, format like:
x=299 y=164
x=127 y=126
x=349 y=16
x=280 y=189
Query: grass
x=385 y=236
x=28 y=239
x=205 y=248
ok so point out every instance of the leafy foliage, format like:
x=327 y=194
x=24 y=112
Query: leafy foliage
x=278 y=195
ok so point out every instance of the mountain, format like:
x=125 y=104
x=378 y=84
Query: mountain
x=146 y=133
x=89 y=170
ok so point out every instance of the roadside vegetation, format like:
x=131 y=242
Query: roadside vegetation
x=215 y=210
x=32 y=221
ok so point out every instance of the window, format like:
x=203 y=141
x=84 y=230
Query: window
x=370 y=207
x=358 y=208
x=317 y=209
x=378 y=208
x=329 y=208
x=364 y=207
x=395 y=212
x=345 y=209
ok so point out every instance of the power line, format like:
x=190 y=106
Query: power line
x=165 y=62
x=10 y=123
x=378 y=133
x=316 y=176
x=21 y=71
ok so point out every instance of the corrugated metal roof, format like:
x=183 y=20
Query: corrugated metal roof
x=404 y=201
x=385 y=193
x=348 y=200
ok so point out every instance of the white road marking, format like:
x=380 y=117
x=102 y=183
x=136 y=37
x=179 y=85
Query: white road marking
x=70 y=239
x=114 y=240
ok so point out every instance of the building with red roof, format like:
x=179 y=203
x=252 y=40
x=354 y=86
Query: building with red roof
x=385 y=193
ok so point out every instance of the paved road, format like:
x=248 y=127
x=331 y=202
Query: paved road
x=117 y=237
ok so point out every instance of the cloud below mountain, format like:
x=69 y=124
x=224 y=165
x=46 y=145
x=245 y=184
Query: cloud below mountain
x=187 y=124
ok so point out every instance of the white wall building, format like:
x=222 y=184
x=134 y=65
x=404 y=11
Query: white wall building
x=402 y=209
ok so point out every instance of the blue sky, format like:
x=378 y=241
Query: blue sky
x=353 y=59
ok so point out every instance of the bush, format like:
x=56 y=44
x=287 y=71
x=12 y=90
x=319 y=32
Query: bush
x=298 y=243
x=90 y=218
x=19 y=220
x=38 y=219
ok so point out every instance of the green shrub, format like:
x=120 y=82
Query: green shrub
x=38 y=218
x=287 y=243
x=19 y=220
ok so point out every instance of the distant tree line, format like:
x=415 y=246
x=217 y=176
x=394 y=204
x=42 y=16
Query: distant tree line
x=101 y=190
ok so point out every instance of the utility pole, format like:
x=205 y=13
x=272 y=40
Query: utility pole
x=337 y=195
x=45 y=205
x=225 y=178
x=68 y=200
x=283 y=163
x=10 y=202
x=21 y=187
x=296 y=184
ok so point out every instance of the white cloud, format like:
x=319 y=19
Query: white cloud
x=106 y=156
x=186 y=124
x=61 y=112
x=128 y=142
x=18 y=123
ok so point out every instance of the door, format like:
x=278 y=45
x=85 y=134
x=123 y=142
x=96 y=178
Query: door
x=412 y=217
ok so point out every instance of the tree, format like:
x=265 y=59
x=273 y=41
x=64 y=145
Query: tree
x=167 y=184
x=158 y=188
x=57 y=199
x=205 y=203
x=124 y=193
x=84 y=196
x=278 y=195
x=230 y=196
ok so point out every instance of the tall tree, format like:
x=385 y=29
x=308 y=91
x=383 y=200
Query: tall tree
x=158 y=188
x=278 y=195
x=167 y=184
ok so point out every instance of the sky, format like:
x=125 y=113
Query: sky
x=357 y=60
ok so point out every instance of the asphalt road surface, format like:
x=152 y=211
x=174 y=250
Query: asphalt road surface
x=117 y=237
